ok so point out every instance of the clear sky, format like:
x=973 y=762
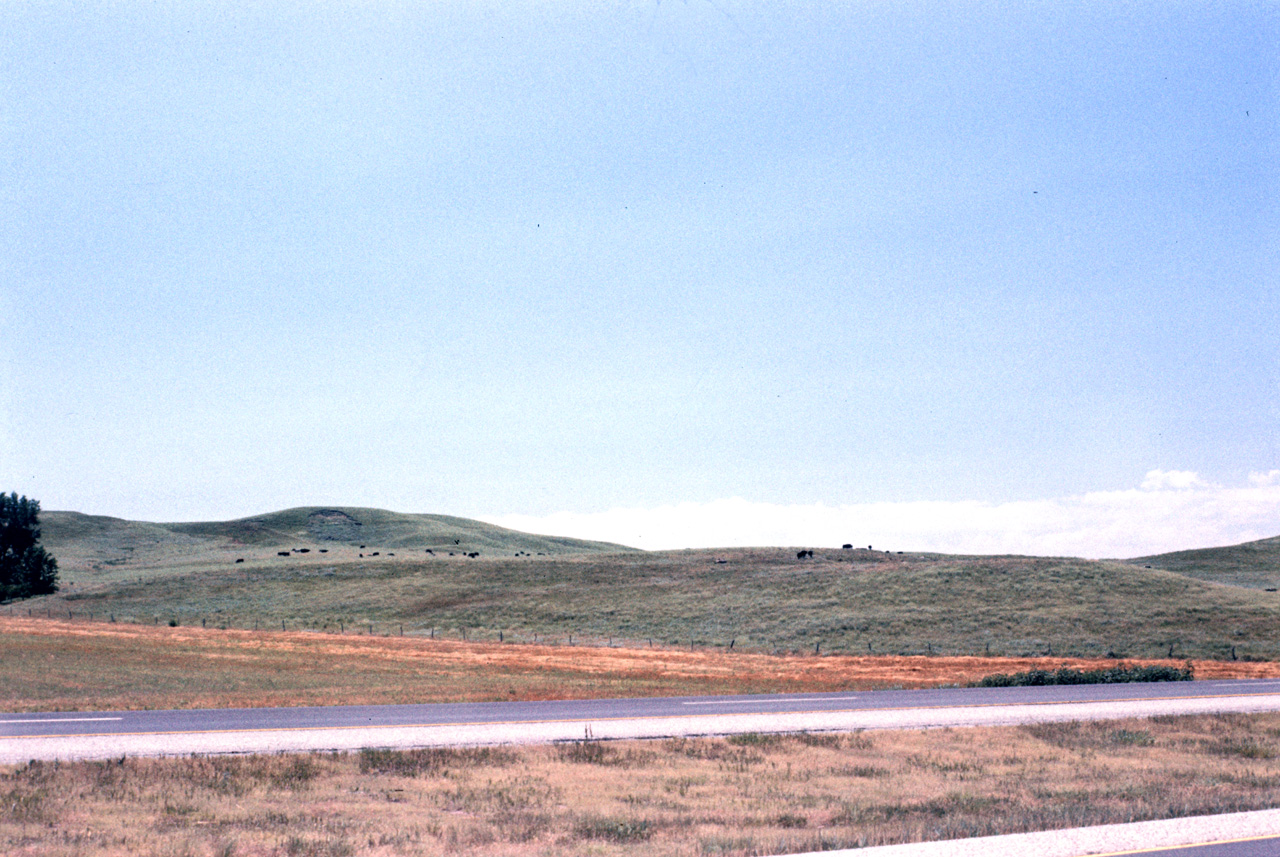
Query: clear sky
x=665 y=272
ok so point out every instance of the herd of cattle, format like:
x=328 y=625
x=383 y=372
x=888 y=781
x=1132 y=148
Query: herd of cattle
x=804 y=554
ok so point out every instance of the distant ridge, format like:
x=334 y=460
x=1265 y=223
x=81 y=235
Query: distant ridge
x=97 y=542
x=1251 y=564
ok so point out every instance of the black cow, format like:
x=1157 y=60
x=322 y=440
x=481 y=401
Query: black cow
x=282 y=553
x=847 y=547
x=240 y=560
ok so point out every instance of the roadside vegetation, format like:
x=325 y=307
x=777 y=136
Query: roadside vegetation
x=749 y=794
x=1120 y=674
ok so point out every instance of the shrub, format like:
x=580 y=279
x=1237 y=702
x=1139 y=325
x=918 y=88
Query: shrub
x=1115 y=675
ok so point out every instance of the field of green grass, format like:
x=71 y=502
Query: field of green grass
x=1203 y=604
x=1255 y=565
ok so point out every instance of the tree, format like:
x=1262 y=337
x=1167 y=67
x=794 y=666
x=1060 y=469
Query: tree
x=25 y=568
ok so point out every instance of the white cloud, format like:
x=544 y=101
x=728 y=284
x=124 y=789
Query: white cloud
x=1261 y=480
x=1164 y=480
x=1173 y=510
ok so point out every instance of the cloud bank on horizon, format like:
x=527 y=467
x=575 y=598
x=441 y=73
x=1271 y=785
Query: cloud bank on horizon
x=1171 y=510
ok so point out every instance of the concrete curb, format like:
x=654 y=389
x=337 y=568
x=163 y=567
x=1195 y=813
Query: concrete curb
x=1104 y=839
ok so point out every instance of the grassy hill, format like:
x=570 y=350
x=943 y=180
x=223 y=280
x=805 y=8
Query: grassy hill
x=97 y=548
x=1255 y=565
x=756 y=599
x=325 y=568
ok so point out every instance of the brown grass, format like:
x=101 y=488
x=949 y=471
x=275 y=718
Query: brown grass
x=750 y=794
x=61 y=665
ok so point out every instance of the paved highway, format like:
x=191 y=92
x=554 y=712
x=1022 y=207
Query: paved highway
x=104 y=734
x=1240 y=834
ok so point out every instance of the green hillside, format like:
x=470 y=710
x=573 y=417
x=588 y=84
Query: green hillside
x=1255 y=565
x=98 y=548
x=323 y=568
x=851 y=601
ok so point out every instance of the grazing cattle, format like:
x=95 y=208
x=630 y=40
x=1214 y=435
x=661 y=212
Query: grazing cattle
x=240 y=560
x=803 y=554
x=847 y=547
x=390 y=554
x=282 y=553
x=324 y=550
x=304 y=550
x=474 y=554
x=375 y=553
x=430 y=551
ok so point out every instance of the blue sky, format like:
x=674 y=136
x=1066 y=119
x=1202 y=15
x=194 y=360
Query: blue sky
x=557 y=261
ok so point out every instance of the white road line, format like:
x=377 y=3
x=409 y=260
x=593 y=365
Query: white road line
x=770 y=701
x=65 y=720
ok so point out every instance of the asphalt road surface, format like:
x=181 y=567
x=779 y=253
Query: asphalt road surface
x=104 y=734
x=1266 y=847
x=1240 y=834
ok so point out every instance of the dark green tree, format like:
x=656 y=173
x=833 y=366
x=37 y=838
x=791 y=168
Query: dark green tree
x=25 y=568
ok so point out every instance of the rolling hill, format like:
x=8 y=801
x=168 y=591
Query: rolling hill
x=321 y=568
x=95 y=547
x=1255 y=565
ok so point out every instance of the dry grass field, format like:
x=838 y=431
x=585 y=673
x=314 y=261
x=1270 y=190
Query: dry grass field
x=74 y=665
x=747 y=795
